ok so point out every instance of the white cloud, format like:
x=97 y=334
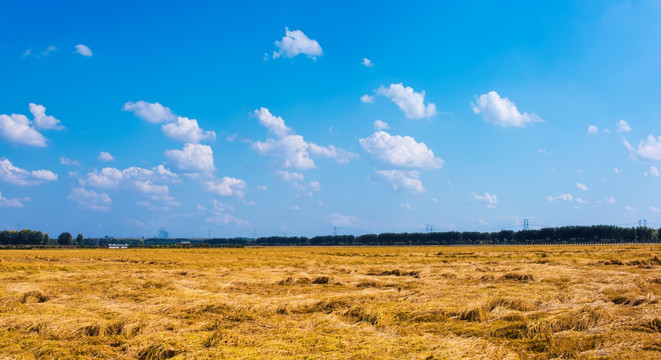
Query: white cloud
x=593 y=129
x=401 y=151
x=17 y=176
x=582 y=187
x=406 y=180
x=187 y=130
x=380 y=125
x=629 y=208
x=367 y=62
x=152 y=112
x=262 y=187
x=43 y=121
x=148 y=182
x=434 y=200
x=545 y=152
x=227 y=186
x=563 y=197
x=5 y=202
x=617 y=171
x=83 y=50
x=340 y=220
x=489 y=199
x=193 y=157
x=610 y=200
x=623 y=126
x=289 y=176
x=607 y=130
x=90 y=199
x=654 y=171
x=409 y=101
x=105 y=156
x=367 y=99
x=501 y=111
x=69 y=162
x=295 y=208
x=653 y=209
x=296 y=42
x=649 y=149
x=293 y=149
x=581 y=201
x=406 y=206
x=15 y=128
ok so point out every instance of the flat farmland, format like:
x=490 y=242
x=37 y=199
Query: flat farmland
x=509 y=302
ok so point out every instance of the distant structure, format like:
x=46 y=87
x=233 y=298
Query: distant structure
x=118 y=246
x=525 y=224
x=185 y=244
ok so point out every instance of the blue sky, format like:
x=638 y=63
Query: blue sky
x=123 y=118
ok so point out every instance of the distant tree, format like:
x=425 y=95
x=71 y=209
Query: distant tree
x=80 y=239
x=163 y=234
x=65 y=238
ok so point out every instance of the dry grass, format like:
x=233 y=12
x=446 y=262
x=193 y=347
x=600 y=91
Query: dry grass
x=533 y=302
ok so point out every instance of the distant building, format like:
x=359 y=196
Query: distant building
x=185 y=244
x=118 y=246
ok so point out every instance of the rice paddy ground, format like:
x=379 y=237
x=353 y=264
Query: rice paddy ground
x=508 y=302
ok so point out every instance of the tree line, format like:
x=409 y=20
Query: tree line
x=557 y=235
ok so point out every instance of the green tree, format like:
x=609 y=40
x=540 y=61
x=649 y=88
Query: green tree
x=65 y=238
x=79 y=239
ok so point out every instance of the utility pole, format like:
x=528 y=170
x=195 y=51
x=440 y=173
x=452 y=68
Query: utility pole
x=335 y=231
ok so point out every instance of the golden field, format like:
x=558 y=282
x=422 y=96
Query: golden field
x=510 y=302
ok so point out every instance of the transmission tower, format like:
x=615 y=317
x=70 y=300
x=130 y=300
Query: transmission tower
x=335 y=231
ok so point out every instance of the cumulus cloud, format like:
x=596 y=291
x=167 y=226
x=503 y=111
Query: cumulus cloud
x=43 y=121
x=340 y=220
x=610 y=200
x=90 y=199
x=401 y=151
x=582 y=187
x=195 y=158
x=69 y=162
x=219 y=213
x=649 y=148
x=380 y=125
x=581 y=201
x=17 y=176
x=17 y=129
x=187 y=130
x=105 y=156
x=296 y=42
x=149 y=182
x=152 y=112
x=367 y=62
x=83 y=50
x=623 y=126
x=563 y=197
x=5 y=202
x=367 y=98
x=289 y=176
x=409 y=101
x=291 y=148
x=227 y=186
x=501 y=111
x=490 y=200
x=404 y=180
x=593 y=129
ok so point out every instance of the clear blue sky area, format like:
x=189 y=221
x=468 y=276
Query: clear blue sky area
x=122 y=118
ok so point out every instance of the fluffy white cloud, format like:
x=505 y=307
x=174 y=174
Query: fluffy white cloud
x=218 y=214
x=83 y=50
x=610 y=200
x=654 y=172
x=410 y=102
x=501 y=111
x=90 y=199
x=152 y=112
x=582 y=187
x=15 y=128
x=296 y=42
x=187 y=130
x=227 y=186
x=105 y=156
x=149 y=182
x=69 y=162
x=367 y=62
x=367 y=98
x=289 y=176
x=380 y=125
x=623 y=126
x=563 y=197
x=406 y=206
x=293 y=149
x=489 y=199
x=275 y=124
x=629 y=208
x=406 y=180
x=581 y=201
x=5 y=202
x=43 y=121
x=649 y=149
x=193 y=157
x=107 y=178
x=340 y=220
x=593 y=129
x=15 y=175
x=402 y=151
